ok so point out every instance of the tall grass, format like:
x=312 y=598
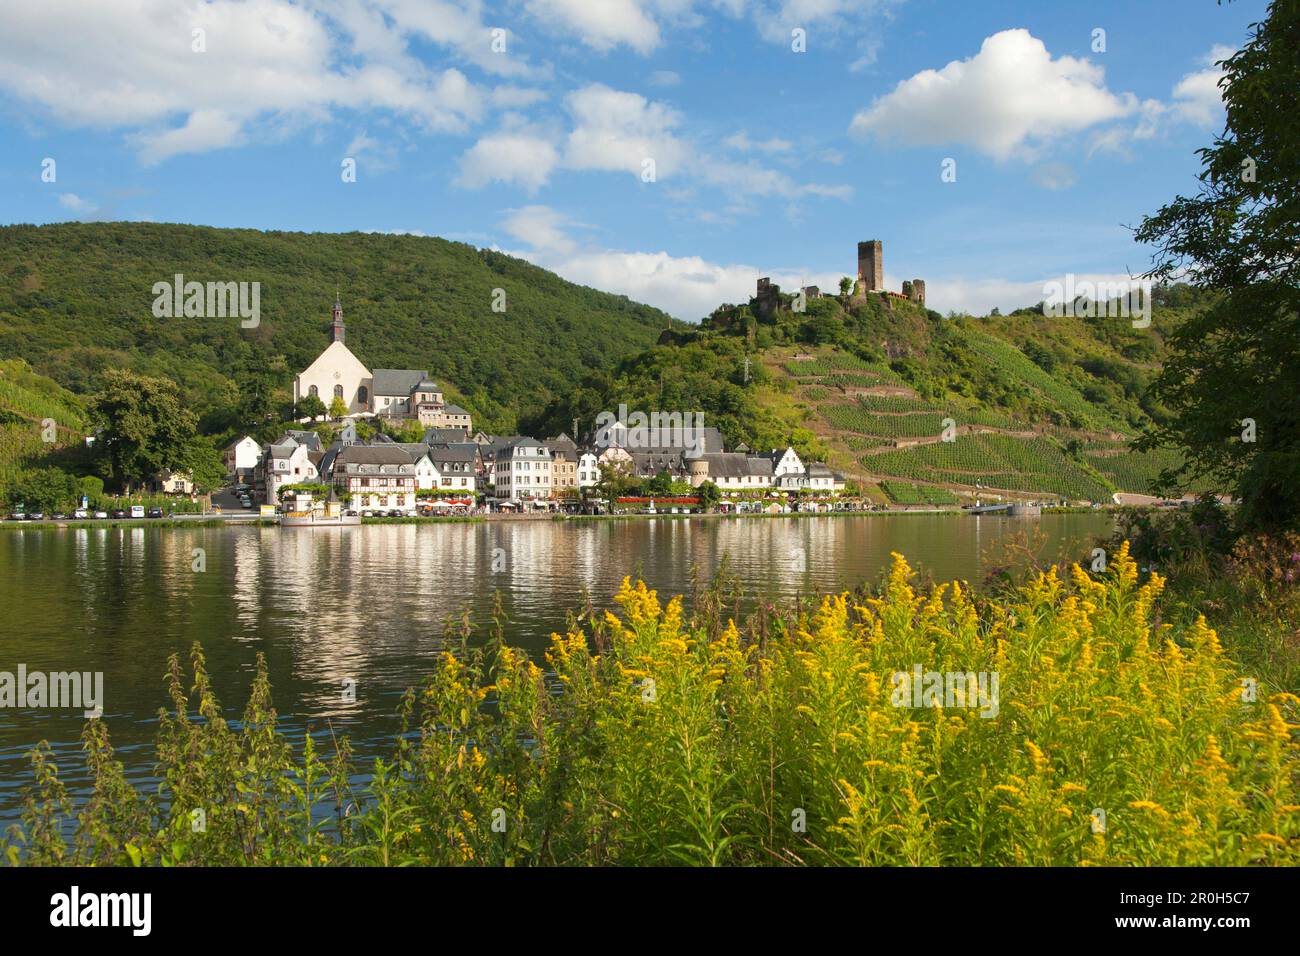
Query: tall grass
x=651 y=736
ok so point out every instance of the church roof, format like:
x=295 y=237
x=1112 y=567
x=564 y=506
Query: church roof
x=397 y=381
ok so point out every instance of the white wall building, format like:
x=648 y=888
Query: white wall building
x=521 y=470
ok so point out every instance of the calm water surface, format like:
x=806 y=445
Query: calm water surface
x=371 y=603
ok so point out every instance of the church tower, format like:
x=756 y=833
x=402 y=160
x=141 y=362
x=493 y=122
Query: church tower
x=338 y=319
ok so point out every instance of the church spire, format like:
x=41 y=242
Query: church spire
x=337 y=315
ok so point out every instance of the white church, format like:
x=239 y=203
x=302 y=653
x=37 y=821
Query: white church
x=387 y=392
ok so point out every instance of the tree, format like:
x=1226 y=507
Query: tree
x=257 y=380
x=202 y=461
x=1229 y=382
x=310 y=406
x=44 y=489
x=338 y=409
x=846 y=285
x=709 y=495
x=145 y=427
x=616 y=480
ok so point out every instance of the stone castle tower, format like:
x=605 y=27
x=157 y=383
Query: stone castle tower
x=871 y=265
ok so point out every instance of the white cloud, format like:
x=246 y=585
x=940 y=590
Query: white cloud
x=542 y=228
x=204 y=130
x=664 y=78
x=741 y=141
x=75 y=203
x=1054 y=176
x=1008 y=99
x=130 y=64
x=617 y=131
x=605 y=24
x=1197 y=97
x=516 y=157
x=688 y=287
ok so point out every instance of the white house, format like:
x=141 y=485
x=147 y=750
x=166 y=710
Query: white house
x=288 y=463
x=521 y=469
x=785 y=462
x=457 y=466
x=241 y=456
x=588 y=470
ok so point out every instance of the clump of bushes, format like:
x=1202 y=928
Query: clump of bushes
x=656 y=737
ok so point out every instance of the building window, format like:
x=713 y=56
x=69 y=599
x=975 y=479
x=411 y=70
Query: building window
x=338 y=391
x=363 y=393
x=314 y=392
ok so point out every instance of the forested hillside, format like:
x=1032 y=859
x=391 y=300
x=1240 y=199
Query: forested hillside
x=76 y=298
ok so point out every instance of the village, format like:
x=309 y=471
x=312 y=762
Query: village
x=614 y=467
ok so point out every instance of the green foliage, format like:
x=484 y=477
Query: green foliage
x=1238 y=236
x=76 y=300
x=145 y=428
x=905 y=493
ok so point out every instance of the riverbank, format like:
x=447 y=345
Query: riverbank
x=218 y=521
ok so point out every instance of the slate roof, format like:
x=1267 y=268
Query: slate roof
x=396 y=381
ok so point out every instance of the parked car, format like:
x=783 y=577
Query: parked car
x=36 y=516
x=17 y=516
x=137 y=511
x=367 y=513
x=101 y=514
x=394 y=513
x=119 y=512
x=81 y=513
x=155 y=513
x=350 y=514
x=59 y=516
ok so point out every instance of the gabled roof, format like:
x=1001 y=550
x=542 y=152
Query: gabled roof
x=396 y=381
x=390 y=454
x=308 y=438
x=459 y=452
x=416 y=450
x=454 y=410
x=441 y=436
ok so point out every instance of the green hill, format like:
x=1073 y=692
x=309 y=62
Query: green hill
x=76 y=298
x=1034 y=405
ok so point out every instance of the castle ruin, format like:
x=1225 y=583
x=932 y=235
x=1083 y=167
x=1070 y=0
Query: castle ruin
x=871 y=278
x=871 y=265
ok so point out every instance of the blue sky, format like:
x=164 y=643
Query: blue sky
x=530 y=125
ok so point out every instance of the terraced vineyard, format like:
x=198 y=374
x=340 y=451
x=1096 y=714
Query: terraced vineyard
x=1017 y=367
x=995 y=461
x=906 y=493
x=1131 y=470
x=883 y=429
